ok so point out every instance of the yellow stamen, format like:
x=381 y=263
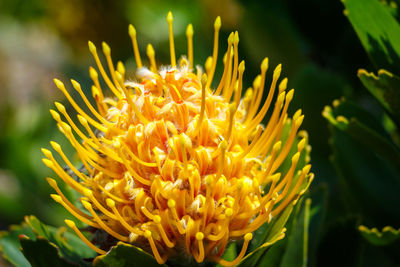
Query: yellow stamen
x=189 y=35
x=217 y=26
x=171 y=205
x=160 y=260
x=110 y=203
x=151 y=55
x=132 y=34
x=105 y=227
x=157 y=220
x=235 y=67
x=238 y=93
x=89 y=194
x=69 y=207
x=61 y=86
x=170 y=20
x=107 y=53
x=199 y=238
x=72 y=225
x=93 y=50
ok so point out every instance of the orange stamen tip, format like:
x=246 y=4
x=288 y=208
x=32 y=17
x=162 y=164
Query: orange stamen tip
x=92 y=47
x=228 y=212
x=86 y=204
x=306 y=169
x=241 y=66
x=248 y=237
x=296 y=157
x=170 y=18
x=147 y=234
x=110 y=202
x=132 y=30
x=264 y=64
x=56 y=197
x=88 y=193
x=157 y=219
x=217 y=24
x=171 y=203
x=189 y=30
x=51 y=181
x=199 y=236
x=106 y=48
x=70 y=223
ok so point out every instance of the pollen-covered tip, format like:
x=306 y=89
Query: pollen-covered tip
x=257 y=82
x=60 y=107
x=277 y=146
x=132 y=30
x=157 y=219
x=199 y=236
x=76 y=85
x=88 y=193
x=56 y=198
x=47 y=152
x=231 y=38
x=82 y=120
x=170 y=18
x=70 y=223
x=171 y=203
x=86 y=204
x=51 y=182
x=121 y=67
x=289 y=95
x=277 y=72
x=217 y=23
x=264 y=64
x=59 y=84
x=110 y=202
x=119 y=77
x=189 y=30
x=241 y=66
x=106 y=48
x=48 y=163
x=92 y=47
x=283 y=85
x=55 y=115
x=93 y=73
x=301 y=144
x=248 y=236
x=150 y=50
x=306 y=169
x=296 y=157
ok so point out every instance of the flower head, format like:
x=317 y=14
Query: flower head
x=173 y=165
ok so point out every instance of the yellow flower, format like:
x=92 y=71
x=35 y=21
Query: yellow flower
x=175 y=166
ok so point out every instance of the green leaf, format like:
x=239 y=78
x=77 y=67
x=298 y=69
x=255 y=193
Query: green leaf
x=380 y=238
x=366 y=136
x=10 y=246
x=366 y=162
x=385 y=88
x=69 y=245
x=124 y=255
x=378 y=31
x=42 y=253
x=296 y=253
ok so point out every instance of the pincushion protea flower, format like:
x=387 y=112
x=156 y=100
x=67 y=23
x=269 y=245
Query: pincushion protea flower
x=173 y=165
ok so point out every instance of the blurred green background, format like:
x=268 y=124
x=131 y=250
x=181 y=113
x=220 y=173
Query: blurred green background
x=321 y=54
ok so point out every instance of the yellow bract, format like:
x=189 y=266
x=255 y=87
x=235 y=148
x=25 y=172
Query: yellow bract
x=171 y=164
